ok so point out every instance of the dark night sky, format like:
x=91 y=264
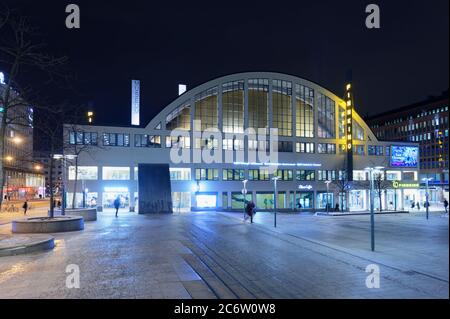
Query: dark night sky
x=192 y=42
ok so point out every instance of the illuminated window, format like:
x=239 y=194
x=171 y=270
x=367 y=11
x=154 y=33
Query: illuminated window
x=144 y=140
x=302 y=147
x=178 y=141
x=326 y=148
x=180 y=118
x=305 y=175
x=281 y=107
x=116 y=173
x=180 y=174
x=233 y=174
x=116 y=139
x=206 y=109
x=304 y=111
x=84 y=173
x=258 y=105
x=233 y=107
x=358 y=131
x=325 y=117
x=82 y=138
x=207 y=174
x=261 y=174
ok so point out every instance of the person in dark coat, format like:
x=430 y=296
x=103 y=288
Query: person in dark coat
x=117 y=204
x=250 y=210
x=25 y=207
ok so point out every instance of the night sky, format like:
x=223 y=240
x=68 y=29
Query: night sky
x=163 y=43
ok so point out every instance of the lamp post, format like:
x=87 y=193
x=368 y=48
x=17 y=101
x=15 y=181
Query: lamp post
x=328 y=187
x=427 y=204
x=275 y=179
x=371 y=170
x=244 y=192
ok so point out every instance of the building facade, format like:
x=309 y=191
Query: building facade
x=23 y=176
x=246 y=127
x=425 y=123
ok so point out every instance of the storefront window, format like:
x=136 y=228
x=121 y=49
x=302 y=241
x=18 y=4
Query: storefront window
x=304 y=200
x=323 y=198
x=116 y=173
x=238 y=201
x=393 y=175
x=84 y=173
x=264 y=200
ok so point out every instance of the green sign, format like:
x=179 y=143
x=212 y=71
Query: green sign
x=398 y=184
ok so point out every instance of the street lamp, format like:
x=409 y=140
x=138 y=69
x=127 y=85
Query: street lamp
x=244 y=192
x=371 y=170
x=427 y=179
x=328 y=187
x=17 y=140
x=9 y=158
x=275 y=179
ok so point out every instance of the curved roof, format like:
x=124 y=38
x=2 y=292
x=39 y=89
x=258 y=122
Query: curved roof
x=190 y=94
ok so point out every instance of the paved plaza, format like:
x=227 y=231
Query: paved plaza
x=217 y=255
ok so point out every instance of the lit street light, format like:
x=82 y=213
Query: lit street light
x=275 y=179
x=427 y=203
x=371 y=170
x=17 y=140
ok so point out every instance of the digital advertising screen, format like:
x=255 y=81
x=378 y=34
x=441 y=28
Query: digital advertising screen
x=404 y=156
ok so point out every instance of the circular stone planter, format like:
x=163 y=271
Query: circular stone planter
x=88 y=214
x=24 y=244
x=48 y=225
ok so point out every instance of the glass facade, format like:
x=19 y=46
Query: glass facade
x=206 y=109
x=258 y=103
x=304 y=113
x=281 y=107
x=233 y=107
x=180 y=118
x=325 y=117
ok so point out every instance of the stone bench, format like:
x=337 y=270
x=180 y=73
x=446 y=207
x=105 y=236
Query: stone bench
x=88 y=214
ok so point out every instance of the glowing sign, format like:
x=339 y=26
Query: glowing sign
x=135 y=101
x=278 y=164
x=2 y=78
x=404 y=156
x=308 y=187
x=397 y=184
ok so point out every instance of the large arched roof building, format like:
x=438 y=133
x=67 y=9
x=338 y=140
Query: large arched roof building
x=312 y=129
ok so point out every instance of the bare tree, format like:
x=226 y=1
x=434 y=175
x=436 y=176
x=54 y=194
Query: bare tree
x=380 y=186
x=20 y=51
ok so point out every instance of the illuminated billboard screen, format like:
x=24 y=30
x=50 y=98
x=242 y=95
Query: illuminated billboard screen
x=404 y=156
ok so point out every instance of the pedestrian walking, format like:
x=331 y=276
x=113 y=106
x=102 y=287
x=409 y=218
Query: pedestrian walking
x=336 y=208
x=250 y=210
x=446 y=205
x=25 y=207
x=418 y=206
x=117 y=204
